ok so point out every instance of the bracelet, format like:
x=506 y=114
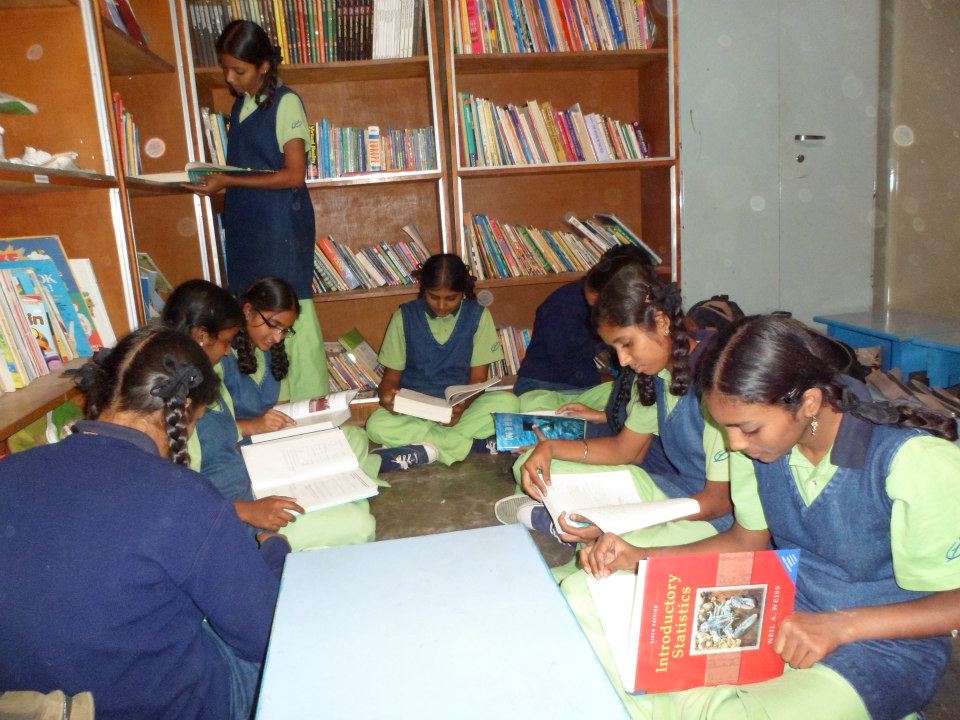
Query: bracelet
x=586 y=449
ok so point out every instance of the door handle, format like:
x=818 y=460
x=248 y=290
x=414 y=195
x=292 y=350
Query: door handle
x=807 y=138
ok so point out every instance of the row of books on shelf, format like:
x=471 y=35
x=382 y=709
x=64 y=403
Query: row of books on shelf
x=215 y=130
x=352 y=363
x=338 y=151
x=336 y=267
x=51 y=310
x=535 y=134
x=128 y=137
x=314 y=31
x=120 y=14
x=514 y=342
x=502 y=250
x=523 y=26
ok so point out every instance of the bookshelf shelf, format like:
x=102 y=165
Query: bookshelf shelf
x=144 y=188
x=18 y=179
x=127 y=57
x=21 y=4
x=388 y=291
x=602 y=60
x=568 y=167
x=377 y=178
x=210 y=78
x=27 y=404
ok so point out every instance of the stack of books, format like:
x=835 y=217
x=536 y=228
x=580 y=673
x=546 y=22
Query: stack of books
x=338 y=151
x=128 y=136
x=514 y=342
x=352 y=363
x=215 y=130
x=45 y=320
x=500 y=250
x=497 y=26
x=536 y=134
x=314 y=31
x=336 y=267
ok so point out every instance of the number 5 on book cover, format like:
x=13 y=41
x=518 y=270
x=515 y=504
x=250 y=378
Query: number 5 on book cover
x=693 y=620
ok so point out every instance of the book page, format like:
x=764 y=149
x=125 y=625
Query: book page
x=589 y=490
x=633 y=516
x=410 y=402
x=287 y=460
x=613 y=598
x=329 y=490
x=458 y=393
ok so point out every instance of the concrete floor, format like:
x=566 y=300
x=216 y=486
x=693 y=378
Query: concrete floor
x=436 y=499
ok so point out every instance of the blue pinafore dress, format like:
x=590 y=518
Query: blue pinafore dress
x=251 y=399
x=268 y=232
x=430 y=366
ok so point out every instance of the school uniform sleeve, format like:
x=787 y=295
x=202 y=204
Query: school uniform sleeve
x=291 y=121
x=641 y=419
x=393 y=352
x=744 y=493
x=714 y=448
x=924 y=484
x=486 y=342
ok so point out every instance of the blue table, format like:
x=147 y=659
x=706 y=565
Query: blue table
x=461 y=625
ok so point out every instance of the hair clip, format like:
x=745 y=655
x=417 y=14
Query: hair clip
x=181 y=379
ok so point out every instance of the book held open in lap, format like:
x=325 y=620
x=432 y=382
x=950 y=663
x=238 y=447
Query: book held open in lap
x=319 y=413
x=416 y=404
x=611 y=502
x=687 y=621
x=194 y=172
x=516 y=430
x=318 y=470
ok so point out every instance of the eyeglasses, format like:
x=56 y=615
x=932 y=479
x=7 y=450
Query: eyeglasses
x=276 y=327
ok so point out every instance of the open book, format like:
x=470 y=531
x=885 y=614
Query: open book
x=318 y=469
x=687 y=621
x=611 y=502
x=194 y=172
x=319 y=413
x=515 y=430
x=410 y=402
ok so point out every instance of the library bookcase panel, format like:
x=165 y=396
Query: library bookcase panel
x=515 y=301
x=165 y=227
x=364 y=215
x=45 y=62
x=84 y=222
x=154 y=102
x=369 y=312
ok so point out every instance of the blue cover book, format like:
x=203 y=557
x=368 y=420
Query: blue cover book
x=515 y=430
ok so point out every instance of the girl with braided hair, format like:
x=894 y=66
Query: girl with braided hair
x=268 y=219
x=641 y=317
x=869 y=492
x=125 y=573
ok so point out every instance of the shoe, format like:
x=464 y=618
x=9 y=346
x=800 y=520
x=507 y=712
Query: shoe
x=407 y=456
x=529 y=513
x=508 y=509
x=484 y=446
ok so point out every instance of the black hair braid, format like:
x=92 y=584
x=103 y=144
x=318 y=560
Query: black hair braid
x=268 y=90
x=646 y=390
x=279 y=362
x=680 y=372
x=624 y=386
x=246 y=357
x=174 y=418
x=931 y=422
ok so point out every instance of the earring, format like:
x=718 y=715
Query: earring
x=814 y=424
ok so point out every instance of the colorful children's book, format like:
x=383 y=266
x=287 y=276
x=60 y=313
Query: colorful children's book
x=687 y=621
x=516 y=430
x=92 y=301
x=319 y=413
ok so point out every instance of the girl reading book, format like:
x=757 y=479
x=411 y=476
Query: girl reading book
x=268 y=218
x=212 y=317
x=868 y=492
x=444 y=337
x=162 y=604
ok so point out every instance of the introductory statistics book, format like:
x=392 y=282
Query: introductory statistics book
x=194 y=172
x=319 y=413
x=516 y=430
x=688 y=621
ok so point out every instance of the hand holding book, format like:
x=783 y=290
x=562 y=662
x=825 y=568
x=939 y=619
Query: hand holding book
x=269 y=513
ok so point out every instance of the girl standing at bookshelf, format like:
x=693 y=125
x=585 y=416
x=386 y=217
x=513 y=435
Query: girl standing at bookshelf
x=254 y=374
x=868 y=492
x=213 y=318
x=444 y=337
x=642 y=319
x=167 y=610
x=268 y=219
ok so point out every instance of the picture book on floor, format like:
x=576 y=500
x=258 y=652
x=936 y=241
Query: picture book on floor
x=410 y=402
x=319 y=413
x=611 y=502
x=516 y=430
x=318 y=470
x=687 y=621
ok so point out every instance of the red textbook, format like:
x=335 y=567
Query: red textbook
x=692 y=620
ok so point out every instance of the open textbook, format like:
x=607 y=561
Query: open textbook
x=611 y=502
x=318 y=469
x=685 y=621
x=194 y=172
x=410 y=402
x=319 y=413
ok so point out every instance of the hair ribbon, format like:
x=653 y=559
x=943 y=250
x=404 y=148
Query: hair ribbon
x=182 y=377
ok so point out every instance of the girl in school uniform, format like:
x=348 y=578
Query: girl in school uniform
x=255 y=374
x=642 y=319
x=869 y=495
x=213 y=317
x=268 y=219
x=444 y=337
x=125 y=573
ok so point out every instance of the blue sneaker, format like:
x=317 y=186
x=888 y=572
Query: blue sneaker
x=406 y=457
x=484 y=446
